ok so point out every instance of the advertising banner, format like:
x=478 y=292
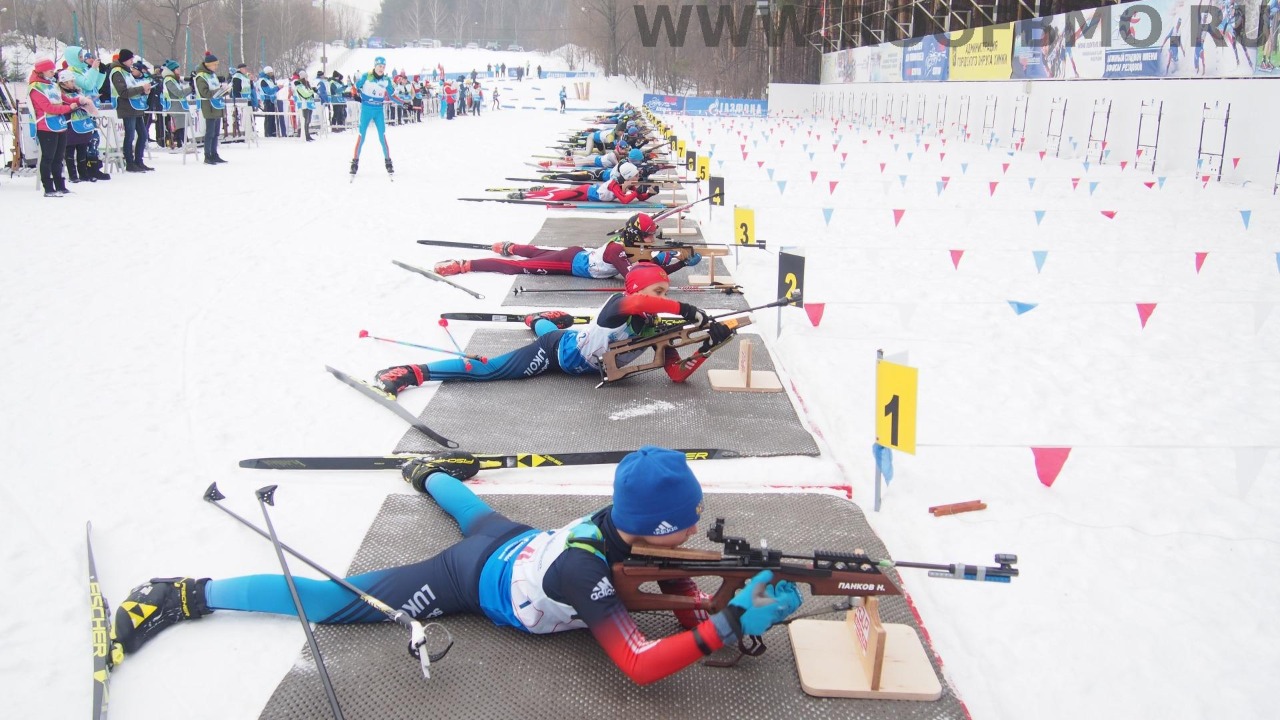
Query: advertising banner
x=726 y=107
x=664 y=103
x=982 y=53
x=926 y=60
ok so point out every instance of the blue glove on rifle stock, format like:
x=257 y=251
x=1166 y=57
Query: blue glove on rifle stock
x=755 y=608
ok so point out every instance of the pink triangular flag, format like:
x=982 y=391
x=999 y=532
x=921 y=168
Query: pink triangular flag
x=1104 y=144
x=814 y=311
x=744 y=156
x=926 y=147
x=955 y=258
x=834 y=146
x=1235 y=162
x=782 y=143
x=759 y=163
x=1004 y=168
x=1049 y=462
x=1042 y=154
x=1124 y=164
x=833 y=184
x=1149 y=184
x=844 y=156
x=942 y=156
x=1144 y=312
x=1140 y=151
x=1109 y=214
x=993 y=185
x=1075 y=183
x=897 y=216
x=882 y=166
x=1200 y=256
x=813 y=175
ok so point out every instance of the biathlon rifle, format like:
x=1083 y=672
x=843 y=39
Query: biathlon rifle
x=614 y=363
x=826 y=572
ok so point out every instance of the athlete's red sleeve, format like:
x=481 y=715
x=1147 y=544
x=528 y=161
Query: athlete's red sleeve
x=644 y=660
x=616 y=255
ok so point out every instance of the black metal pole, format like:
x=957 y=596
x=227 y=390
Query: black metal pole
x=266 y=496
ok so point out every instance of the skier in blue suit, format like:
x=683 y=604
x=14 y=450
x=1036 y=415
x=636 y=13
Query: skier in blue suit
x=376 y=90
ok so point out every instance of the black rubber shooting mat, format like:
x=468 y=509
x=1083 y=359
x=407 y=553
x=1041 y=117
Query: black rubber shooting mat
x=590 y=232
x=555 y=412
x=501 y=673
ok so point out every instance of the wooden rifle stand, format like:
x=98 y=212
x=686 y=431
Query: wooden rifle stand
x=864 y=659
x=743 y=379
x=679 y=230
x=711 y=253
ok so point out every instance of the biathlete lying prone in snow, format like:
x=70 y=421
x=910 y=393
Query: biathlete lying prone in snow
x=607 y=261
x=573 y=349
x=537 y=581
x=621 y=187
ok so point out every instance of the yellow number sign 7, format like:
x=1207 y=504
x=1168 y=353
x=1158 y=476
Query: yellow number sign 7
x=896 y=406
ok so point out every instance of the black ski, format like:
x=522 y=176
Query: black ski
x=389 y=402
x=487 y=460
x=502 y=317
x=455 y=244
x=101 y=626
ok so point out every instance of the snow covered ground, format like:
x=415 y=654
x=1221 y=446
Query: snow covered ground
x=159 y=328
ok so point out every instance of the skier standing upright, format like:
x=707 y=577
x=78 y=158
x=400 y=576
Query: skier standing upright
x=375 y=92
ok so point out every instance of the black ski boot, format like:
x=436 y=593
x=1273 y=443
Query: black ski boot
x=457 y=463
x=154 y=606
x=355 y=165
x=395 y=379
x=390 y=170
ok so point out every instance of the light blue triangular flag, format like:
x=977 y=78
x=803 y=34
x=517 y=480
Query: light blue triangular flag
x=770 y=171
x=941 y=185
x=1031 y=183
x=1039 y=255
x=841 y=166
x=1106 y=153
x=1245 y=215
x=895 y=147
x=909 y=156
x=810 y=156
x=884 y=461
x=1039 y=216
x=1278 y=261
x=805 y=147
x=1161 y=181
x=1021 y=307
x=720 y=163
x=713 y=148
x=1199 y=163
x=826 y=214
x=782 y=186
x=1093 y=186
x=903 y=179
x=1086 y=165
x=964 y=168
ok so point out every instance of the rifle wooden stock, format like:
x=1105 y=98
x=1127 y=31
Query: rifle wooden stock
x=673 y=339
x=629 y=576
x=638 y=253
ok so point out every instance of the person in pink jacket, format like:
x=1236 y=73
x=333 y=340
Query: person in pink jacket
x=52 y=109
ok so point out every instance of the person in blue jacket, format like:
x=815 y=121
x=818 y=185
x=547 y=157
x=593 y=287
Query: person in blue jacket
x=89 y=79
x=268 y=90
x=376 y=90
x=563 y=95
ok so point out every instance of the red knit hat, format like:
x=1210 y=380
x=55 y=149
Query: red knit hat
x=44 y=65
x=643 y=275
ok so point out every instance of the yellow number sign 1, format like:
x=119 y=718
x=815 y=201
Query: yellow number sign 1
x=744 y=226
x=896 y=406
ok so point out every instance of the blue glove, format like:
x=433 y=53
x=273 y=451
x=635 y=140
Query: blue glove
x=693 y=260
x=665 y=258
x=757 y=607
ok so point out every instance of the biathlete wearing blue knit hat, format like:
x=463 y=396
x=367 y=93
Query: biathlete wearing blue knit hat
x=538 y=581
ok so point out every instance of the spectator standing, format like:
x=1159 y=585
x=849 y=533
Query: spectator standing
x=129 y=95
x=210 y=91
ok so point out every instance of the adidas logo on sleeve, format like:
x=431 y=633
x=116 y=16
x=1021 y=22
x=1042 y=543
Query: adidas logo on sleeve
x=603 y=589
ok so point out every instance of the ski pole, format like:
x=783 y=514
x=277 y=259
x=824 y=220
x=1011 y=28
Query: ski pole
x=444 y=323
x=418 y=637
x=266 y=496
x=458 y=352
